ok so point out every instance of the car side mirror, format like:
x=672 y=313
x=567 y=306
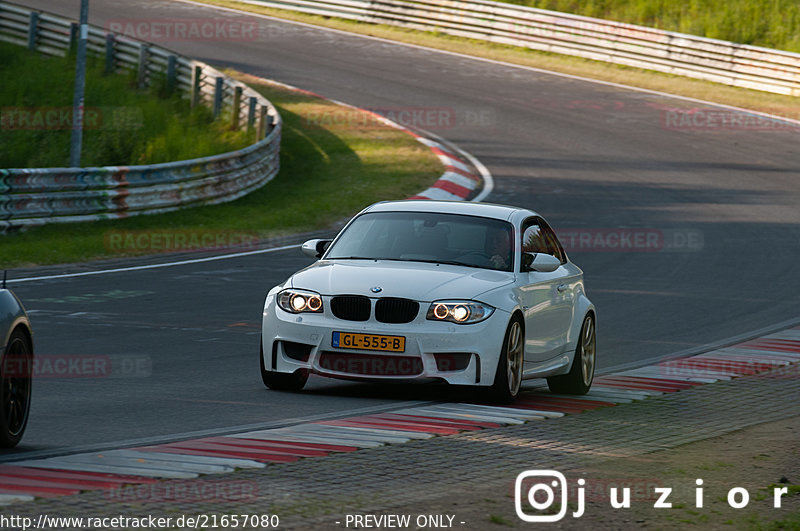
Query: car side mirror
x=541 y=262
x=315 y=248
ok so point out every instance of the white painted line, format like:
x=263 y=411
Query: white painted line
x=790 y=334
x=8 y=499
x=614 y=388
x=299 y=438
x=723 y=357
x=599 y=396
x=652 y=371
x=461 y=180
x=454 y=411
x=57 y=464
x=155 y=266
x=437 y=194
x=116 y=459
x=455 y=415
x=498 y=410
x=755 y=353
x=454 y=163
x=339 y=432
x=229 y=462
x=381 y=433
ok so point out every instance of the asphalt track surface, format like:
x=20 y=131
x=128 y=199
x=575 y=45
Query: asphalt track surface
x=585 y=155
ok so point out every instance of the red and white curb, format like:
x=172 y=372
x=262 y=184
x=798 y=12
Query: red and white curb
x=182 y=460
x=464 y=176
x=458 y=182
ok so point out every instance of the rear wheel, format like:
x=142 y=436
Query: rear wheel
x=280 y=381
x=508 y=377
x=16 y=373
x=578 y=380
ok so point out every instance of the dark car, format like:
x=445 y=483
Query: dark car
x=16 y=369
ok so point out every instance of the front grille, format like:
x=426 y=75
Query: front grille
x=370 y=364
x=391 y=310
x=351 y=307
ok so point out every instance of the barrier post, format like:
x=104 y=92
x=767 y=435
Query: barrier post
x=237 y=104
x=197 y=78
x=141 y=75
x=33 y=30
x=172 y=73
x=251 y=112
x=110 y=53
x=219 y=85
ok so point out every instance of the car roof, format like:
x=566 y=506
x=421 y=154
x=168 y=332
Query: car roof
x=488 y=210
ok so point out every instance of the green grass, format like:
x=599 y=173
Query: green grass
x=769 y=23
x=327 y=174
x=124 y=126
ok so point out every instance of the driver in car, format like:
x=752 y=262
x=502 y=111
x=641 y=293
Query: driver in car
x=498 y=246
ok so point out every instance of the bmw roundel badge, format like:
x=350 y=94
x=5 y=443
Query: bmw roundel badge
x=376 y=289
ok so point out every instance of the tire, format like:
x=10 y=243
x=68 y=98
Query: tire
x=508 y=377
x=279 y=381
x=16 y=373
x=579 y=379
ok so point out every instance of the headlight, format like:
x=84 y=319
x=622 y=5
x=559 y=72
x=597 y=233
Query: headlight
x=459 y=312
x=299 y=301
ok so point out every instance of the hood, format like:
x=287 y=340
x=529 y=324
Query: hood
x=410 y=280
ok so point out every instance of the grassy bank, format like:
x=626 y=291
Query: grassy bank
x=751 y=99
x=769 y=23
x=124 y=126
x=332 y=164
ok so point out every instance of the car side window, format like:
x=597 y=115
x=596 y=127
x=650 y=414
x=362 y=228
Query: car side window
x=553 y=245
x=533 y=240
x=538 y=237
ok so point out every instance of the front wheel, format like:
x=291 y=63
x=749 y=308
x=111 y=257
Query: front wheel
x=508 y=378
x=280 y=381
x=16 y=371
x=579 y=378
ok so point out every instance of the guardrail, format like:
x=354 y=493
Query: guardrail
x=49 y=195
x=626 y=44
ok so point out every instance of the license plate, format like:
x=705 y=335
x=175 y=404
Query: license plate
x=369 y=342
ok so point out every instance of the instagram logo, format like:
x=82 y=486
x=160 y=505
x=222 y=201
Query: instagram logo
x=536 y=487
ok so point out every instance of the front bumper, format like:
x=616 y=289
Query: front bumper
x=456 y=354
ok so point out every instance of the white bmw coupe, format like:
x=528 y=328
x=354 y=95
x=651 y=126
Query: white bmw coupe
x=466 y=293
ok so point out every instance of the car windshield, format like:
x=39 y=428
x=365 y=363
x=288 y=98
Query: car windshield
x=470 y=241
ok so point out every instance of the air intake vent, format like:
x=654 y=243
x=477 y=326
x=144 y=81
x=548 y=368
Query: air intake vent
x=391 y=310
x=351 y=307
